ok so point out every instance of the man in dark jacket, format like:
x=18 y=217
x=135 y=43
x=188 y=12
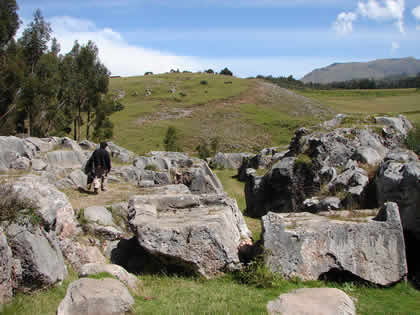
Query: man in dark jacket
x=100 y=165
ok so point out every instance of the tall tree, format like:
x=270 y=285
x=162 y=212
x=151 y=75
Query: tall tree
x=9 y=21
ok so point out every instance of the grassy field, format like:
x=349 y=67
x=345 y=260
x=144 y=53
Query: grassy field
x=246 y=115
x=394 y=101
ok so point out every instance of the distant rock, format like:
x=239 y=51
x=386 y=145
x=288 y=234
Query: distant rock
x=228 y=160
x=90 y=297
x=312 y=247
x=313 y=301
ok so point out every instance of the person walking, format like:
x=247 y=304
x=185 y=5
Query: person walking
x=99 y=165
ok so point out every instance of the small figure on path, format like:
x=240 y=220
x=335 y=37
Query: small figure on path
x=97 y=167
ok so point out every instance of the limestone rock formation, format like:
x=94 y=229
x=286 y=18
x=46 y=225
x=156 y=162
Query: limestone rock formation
x=313 y=301
x=96 y=297
x=39 y=254
x=228 y=160
x=200 y=233
x=311 y=246
x=53 y=205
x=78 y=253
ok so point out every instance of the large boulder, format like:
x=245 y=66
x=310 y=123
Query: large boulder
x=312 y=247
x=317 y=301
x=42 y=145
x=120 y=153
x=96 y=297
x=12 y=148
x=401 y=124
x=39 y=254
x=53 y=205
x=201 y=234
x=101 y=222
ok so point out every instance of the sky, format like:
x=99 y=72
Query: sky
x=250 y=37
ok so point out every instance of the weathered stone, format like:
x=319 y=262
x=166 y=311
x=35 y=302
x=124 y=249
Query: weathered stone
x=160 y=163
x=78 y=178
x=71 y=144
x=88 y=145
x=21 y=163
x=96 y=297
x=12 y=148
x=53 y=205
x=367 y=155
x=200 y=234
x=120 y=153
x=39 y=254
x=336 y=121
x=401 y=155
x=42 y=145
x=310 y=246
x=66 y=159
x=228 y=160
x=100 y=215
x=6 y=268
x=401 y=124
x=203 y=180
x=39 y=165
x=313 y=301
x=118 y=272
x=79 y=254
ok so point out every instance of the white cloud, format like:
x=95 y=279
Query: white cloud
x=416 y=12
x=344 y=22
x=387 y=10
x=120 y=57
x=394 y=47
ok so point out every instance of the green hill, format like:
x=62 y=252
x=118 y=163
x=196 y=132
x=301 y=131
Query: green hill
x=243 y=114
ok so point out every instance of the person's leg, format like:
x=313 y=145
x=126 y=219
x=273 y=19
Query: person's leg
x=103 y=182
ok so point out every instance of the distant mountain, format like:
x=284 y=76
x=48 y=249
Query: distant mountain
x=377 y=69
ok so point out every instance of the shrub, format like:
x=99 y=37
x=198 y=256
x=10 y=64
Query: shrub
x=204 y=82
x=413 y=139
x=13 y=207
x=257 y=274
x=151 y=167
x=303 y=160
x=210 y=71
x=203 y=151
x=171 y=140
x=226 y=71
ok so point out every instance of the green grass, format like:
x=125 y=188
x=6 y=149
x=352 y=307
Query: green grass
x=235 y=189
x=160 y=294
x=367 y=101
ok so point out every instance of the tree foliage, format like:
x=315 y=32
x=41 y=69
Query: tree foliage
x=226 y=71
x=9 y=21
x=171 y=141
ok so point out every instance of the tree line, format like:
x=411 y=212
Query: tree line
x=394 y=82
x=43 y=92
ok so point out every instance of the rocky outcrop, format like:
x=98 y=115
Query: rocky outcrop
x=317 y=301
x=330 y=163
x=202 y=234
x=120 y=153
x=93 y=297
x=312 y=247
x=101 y=222
x=39 y=255
x=118 y=272
x=78 y=254
x=66 y=159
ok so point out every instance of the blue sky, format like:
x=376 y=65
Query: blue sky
x=250 y=37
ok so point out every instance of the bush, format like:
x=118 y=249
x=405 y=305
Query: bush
x=171 y=140
x=13 y=207
x=413 y=139
x=257 y=274
x=204 y=82
x=151 y=167
x=226 y=71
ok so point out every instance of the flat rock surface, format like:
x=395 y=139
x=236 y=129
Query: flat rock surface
x=314 y=301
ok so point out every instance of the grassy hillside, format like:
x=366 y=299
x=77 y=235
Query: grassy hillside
x=246 y=115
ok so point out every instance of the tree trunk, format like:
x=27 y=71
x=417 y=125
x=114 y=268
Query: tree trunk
x=88 y=125
x=79 y=118
x=75 y=129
